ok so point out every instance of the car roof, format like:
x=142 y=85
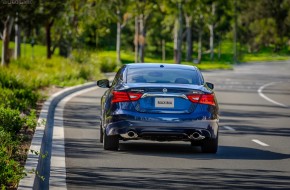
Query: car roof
x=158 y=65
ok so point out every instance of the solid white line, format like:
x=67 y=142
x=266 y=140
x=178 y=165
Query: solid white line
x=229 y=128
x=259 y=142
x=57 y=178
x=31 y=180
x=267 y=98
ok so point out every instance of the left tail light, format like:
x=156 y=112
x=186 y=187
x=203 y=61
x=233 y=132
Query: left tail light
x=125 y=96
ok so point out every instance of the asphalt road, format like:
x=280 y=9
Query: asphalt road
x=254 y=151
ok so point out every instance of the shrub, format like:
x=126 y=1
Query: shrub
x=10 y=120
x=8 y=80
x=20 y=99
x=107 y=64
x=10 y=170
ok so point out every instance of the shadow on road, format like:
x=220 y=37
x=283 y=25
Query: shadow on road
x=186 y=151
x=162 y=178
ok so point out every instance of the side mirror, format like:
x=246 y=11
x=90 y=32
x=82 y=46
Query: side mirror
x=210 y=85
x=104 y=83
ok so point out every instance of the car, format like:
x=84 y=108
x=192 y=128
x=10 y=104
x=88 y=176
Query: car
x=159 y=102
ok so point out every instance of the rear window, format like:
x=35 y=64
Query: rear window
x=169 y=75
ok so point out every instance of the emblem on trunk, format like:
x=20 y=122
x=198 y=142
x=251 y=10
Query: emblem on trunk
x=164 y=90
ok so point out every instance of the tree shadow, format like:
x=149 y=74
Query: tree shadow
x=187 y=151
x=175 y=178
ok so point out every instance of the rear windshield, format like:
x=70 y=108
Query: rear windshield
x=155 y=75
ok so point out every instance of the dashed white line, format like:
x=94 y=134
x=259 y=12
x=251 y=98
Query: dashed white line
x=267 y=98
x=259 y=142
x=229 y=128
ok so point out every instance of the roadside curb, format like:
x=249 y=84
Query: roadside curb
x=42 y=140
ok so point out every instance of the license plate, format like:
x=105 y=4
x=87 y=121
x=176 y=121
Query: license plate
x=164 y=102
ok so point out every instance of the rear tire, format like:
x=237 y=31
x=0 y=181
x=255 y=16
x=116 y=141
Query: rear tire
x=210 y=146
x=101 y=134
x=111 y=142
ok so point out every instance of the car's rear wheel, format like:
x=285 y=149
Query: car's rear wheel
x=101 y=134
x=210 y=146
x=111 y=142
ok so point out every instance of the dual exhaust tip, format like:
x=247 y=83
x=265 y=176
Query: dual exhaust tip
x=133 y=135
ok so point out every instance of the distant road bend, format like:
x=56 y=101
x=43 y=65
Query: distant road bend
x=254 y=148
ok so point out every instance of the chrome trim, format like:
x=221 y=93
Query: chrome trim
x=164 y=95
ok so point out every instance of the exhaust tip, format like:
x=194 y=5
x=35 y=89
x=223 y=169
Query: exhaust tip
x=196 y=136
x=130 y=135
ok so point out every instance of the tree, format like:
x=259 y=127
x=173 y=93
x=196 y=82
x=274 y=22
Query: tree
x=46 y=15
x=7 y=14
x=143 y=12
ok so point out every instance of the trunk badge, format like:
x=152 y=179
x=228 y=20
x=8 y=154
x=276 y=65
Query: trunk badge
x=164 y=90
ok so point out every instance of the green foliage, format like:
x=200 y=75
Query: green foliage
x=10 y=120
x=21 y=99
x=107 y=64
x=10 y=170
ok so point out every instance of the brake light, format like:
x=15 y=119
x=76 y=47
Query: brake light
x=194 y=97
x=207 y=99
x=120 y=97
x=125 y=97
x=134 y=96
x=202 y=98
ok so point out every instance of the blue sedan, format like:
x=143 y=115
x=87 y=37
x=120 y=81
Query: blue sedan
x=159 y=102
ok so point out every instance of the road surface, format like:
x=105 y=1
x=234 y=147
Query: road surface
x=254 y=151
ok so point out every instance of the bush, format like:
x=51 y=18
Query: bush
x=21 y=99
x=8 y=80
x=107 y=64
x=10 y=120
x=10 y=170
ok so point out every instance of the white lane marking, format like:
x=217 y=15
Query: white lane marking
x=57 y=180
x=259 y=142
x=229 y=128
x=260 y=92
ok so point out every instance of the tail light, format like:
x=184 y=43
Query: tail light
x=202 y=98
x=125 y=97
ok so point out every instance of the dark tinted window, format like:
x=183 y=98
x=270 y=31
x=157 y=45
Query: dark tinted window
x=118 y=76
x=169 y=75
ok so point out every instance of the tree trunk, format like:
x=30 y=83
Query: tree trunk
x=48 y=39
x=235 y=32
x=199 y=45
x=5 y=40
x=211 y=30
x=188 y=38
x=179 y=39
x=175 y=53
x=163 y=50
x=219 y=54
x=17 y=40
x=136 y=40
x=141 y=38
x=211 y=45
x=118 y=45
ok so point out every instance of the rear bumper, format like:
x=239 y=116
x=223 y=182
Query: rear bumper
x=166 y=128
